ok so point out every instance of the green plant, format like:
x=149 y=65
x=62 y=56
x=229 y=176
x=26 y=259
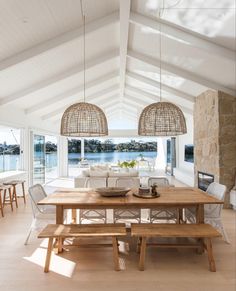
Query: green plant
x=127 y=164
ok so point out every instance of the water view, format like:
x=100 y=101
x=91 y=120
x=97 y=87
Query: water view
x=12 y=162
x=109 y=157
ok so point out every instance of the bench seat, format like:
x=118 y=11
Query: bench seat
x=199 y=231
x=61 y=232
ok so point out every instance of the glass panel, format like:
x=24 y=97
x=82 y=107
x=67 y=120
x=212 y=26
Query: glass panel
x=9 y=149
x=51 y=158
x=110 y=151
x=39 y=159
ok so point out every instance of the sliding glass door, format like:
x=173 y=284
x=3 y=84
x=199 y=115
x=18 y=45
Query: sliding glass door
x=39 y=159
x=45 y=158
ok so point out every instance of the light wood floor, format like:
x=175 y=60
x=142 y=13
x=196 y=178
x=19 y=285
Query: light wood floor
x=92 y=269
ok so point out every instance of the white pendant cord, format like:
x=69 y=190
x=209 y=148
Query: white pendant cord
x=83 y=16
x=161 y=11
x=160 y=62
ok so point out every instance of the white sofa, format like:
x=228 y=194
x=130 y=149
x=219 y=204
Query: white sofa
x=95 y=178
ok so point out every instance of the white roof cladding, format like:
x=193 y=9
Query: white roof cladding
x=41 y=55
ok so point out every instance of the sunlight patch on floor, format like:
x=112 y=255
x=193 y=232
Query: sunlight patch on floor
x=58 y=264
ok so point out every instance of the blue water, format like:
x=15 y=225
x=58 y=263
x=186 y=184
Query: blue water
x=111 y=157
x=12 y=162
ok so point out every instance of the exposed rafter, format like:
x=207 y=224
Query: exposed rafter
x=156 y=84
x=179 y=72
x=110 y=101
x=71 y=92
x=112 y=113
x=62 y=76
x=136 y=101
x=58 y=41
x=97 y=96
x=183 y=35
x=124 y=36
x=150 y=98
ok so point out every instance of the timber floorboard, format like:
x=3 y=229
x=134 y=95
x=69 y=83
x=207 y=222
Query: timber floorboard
x=86 y=269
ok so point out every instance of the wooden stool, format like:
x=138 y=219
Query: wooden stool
x=14 y=183
x=6 y=200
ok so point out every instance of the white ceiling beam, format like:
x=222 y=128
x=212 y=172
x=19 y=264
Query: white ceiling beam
x=183 y=35
x=62 y=76
x=123 y=106
x=111 y=113
x=111 y=100
x=151 y=98
x=72 y=92
x=124 y=37
x=165 y=87
x=97 y=96
x=141 y=103
x=58 y=41
x=179 y=72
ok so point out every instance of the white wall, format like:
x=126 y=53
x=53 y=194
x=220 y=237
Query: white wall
x=185 y=170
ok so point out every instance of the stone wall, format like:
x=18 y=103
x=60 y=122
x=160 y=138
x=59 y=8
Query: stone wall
x=215 y=137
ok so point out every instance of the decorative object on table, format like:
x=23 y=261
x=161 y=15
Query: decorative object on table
x=161 y=118
x=113 y=191
x=84 y=119
x=147 y=192
x=148 y=195
x=144 y=190
x=154 y=189
x=127 y=164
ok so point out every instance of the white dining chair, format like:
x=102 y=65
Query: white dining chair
x=162 y=214
x=42 y=214
x=212 y=212
x=94 y=215
x=126 y=215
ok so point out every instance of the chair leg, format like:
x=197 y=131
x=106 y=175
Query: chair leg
x=48 y=257
x=224 y=233
x=14 y=196
x=6 y=200
x=1 y=204
x=23 y=191
x=210 y=255
x=115 y=254
x=10 y=197
x=142 y=254
x=29 y=233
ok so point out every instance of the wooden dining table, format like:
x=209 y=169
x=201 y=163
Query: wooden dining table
x=170 y=197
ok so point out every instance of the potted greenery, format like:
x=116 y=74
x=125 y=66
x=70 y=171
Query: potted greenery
x=127 y=164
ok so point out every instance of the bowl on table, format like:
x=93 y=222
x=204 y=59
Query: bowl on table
x=113 y=191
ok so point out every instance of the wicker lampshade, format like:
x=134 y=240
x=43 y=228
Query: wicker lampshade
x=82 y=120
x=162 y=119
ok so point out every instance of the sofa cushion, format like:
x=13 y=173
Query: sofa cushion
x=123 y=174
x=99 y=168
x=85 y=173
x=99 y=173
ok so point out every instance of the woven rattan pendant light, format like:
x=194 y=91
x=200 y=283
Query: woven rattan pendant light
x=161 y=118
x=84 y=119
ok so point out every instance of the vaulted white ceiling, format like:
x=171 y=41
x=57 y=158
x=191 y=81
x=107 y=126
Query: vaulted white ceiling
x=41 y=54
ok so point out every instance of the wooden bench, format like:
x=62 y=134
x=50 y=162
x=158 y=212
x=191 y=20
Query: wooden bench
x=61 y=232
x=199 y=231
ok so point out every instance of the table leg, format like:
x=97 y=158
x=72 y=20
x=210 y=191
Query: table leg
x=59 y=214
x=142 y=254
x=200 y=214
x=200 y=219
x=59 y=220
